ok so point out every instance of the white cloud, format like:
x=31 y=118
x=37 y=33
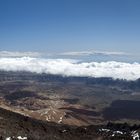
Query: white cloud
x=38 y=54
x=86 y=53
x=67 y=67
x=18 y=54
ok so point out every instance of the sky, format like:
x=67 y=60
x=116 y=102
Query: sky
x=67 y=26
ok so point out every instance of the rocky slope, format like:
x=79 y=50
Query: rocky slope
x=14 y=126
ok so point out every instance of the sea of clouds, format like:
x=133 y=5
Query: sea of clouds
x=68 y=67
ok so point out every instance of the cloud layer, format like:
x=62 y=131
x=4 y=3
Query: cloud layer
x=19 y=54
x=67 y=67
x=63 y=54
x=87 y=53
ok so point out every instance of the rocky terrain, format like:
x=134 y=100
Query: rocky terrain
x=14 y=126
x=35 y=105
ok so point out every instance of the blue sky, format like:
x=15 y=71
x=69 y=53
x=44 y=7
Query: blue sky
x=70 y=25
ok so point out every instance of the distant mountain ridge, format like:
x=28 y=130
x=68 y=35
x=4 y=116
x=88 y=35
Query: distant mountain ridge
x=104 y=81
